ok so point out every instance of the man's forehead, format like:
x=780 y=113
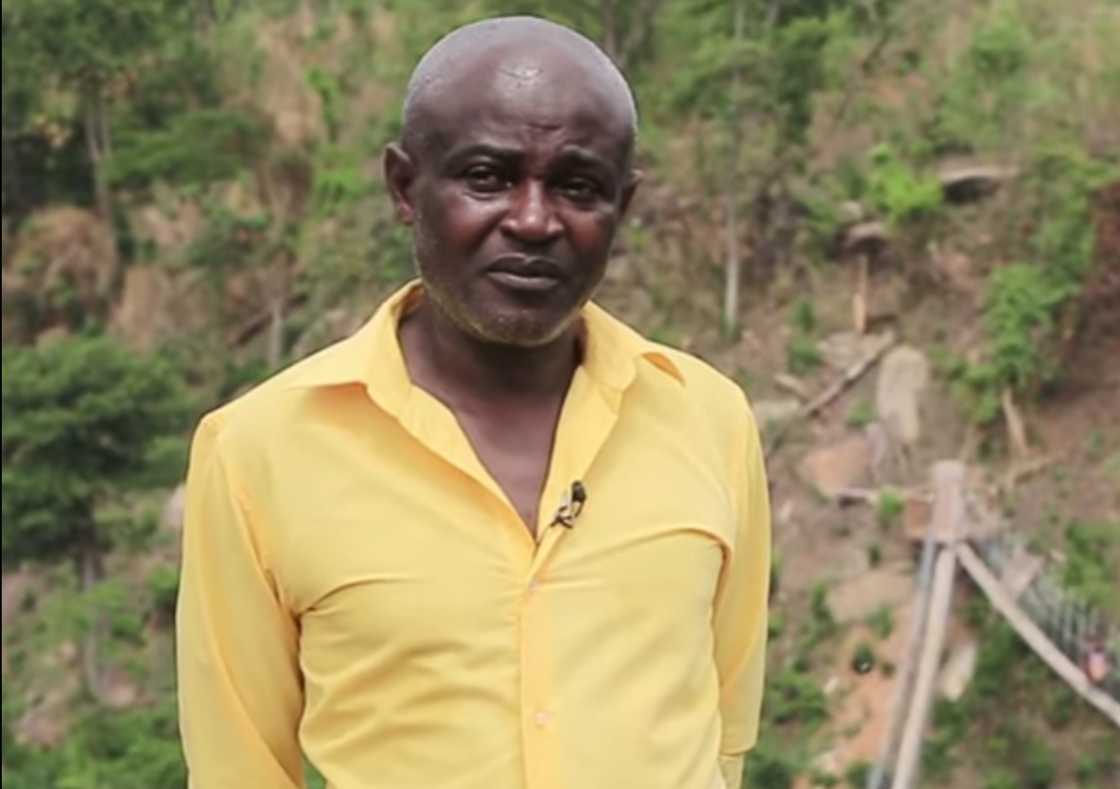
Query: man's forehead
x=516 y=90
x=525 y=68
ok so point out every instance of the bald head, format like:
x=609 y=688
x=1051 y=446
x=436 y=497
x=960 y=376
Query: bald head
x=516 y=51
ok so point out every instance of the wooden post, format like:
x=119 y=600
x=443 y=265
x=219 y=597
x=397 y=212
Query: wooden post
x=940 y=598
x=948 y=523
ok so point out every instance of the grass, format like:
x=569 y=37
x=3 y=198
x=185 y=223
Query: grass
x=861 y=414
x=889 y=508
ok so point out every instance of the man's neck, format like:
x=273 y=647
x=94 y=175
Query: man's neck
x=463 y=370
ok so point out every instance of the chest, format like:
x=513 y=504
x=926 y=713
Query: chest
x=395 y=525
x=516 y=449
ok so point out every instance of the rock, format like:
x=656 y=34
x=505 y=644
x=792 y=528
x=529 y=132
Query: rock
x=173 y=510
x=903 y=375
x=843 y=349
x=958 y=671
x=769 y=412
x=833 y=468
x=857 y=598
x=965 y=182
x=850 y=212
x=866 y=237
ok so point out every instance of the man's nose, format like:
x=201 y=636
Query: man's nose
x=531 y=216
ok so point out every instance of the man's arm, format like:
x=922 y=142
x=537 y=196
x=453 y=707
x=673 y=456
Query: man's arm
x=240 y=696
x=741 y=607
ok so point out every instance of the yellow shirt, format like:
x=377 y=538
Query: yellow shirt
x=356 y=587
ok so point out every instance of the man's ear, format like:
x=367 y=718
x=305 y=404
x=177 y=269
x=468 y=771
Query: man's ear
x=632 y=180
x=400 y=174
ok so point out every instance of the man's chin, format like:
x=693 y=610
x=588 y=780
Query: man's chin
x=519 y=331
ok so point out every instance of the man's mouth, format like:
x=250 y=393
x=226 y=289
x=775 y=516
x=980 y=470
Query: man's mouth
x=524 y=273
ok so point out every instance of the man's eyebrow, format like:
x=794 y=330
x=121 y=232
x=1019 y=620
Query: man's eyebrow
x=488 y=150
x=587 y=157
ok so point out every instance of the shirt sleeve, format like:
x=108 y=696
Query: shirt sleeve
x=240 y=694
x=740 y=616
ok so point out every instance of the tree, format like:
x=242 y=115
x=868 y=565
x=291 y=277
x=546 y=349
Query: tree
x=86 y=49
x=754 y=69
x=623 y=28
x=86 y=423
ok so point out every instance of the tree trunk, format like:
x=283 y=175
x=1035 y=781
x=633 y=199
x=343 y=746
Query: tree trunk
x=92 y=570
x=95 y=124
x=276 y=327
x=608 y=14
x=734 y=263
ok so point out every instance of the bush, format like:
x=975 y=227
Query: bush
x=861 y=414
x=899 y=192
x=889 y=508
x=163 y=584
x=857 y=774
x=793 y=696
x=1091 y=550
x=768 y=766
x=802 y=355
x=1039 y=765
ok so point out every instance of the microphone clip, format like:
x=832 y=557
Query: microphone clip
x=571 y=505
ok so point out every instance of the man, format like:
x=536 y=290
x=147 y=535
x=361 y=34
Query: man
x=495 y=540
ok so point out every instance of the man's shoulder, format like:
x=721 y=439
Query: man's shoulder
x=703 y=383
x=269 y=406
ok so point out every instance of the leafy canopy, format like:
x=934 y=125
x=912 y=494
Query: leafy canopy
x=85 y=422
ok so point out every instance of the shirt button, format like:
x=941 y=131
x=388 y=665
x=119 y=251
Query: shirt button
x=542 y=717
x=534 y=585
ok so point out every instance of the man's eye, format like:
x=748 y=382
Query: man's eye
x=581 y=189
x=484 y=179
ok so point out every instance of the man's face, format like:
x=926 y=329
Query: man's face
x=515 y=195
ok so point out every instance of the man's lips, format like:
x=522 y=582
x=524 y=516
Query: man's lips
x=522 y=272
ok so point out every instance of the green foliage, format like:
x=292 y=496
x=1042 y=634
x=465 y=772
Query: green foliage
x=882 y=621
x=803 y=317
x=195 y=147
x=1001 y=778
x=769 y=765
x=81 y=418
x=163 y=586
x=133 y=749
x=1025 y=301
x=802 y=354
x=338 y=179
x=863 y=659
x=861 y=414
x=793 y=696
x=87 y=42
x=1012 y=750
x=988 y=87
x=857 y=774
x=114 y=600
x=899 y=192
x=889 y=508
x=1092 y=557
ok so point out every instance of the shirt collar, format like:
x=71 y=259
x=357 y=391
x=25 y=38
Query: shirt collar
x=372 y=356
